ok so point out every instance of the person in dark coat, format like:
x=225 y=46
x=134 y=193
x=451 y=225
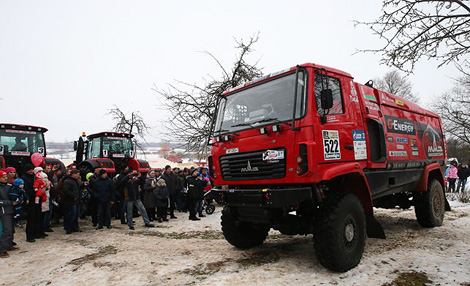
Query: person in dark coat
x=149 y=198
x=196 y=185
x=130 y=185
x=171 y=183
x=162 y=195
x=6 y=217
x=70 y=200
x=33 y=209
x=103 y=191
x=181 y=201
x=463 y=173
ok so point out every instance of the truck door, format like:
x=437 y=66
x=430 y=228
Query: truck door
x=341 y=132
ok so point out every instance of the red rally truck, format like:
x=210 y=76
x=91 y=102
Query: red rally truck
x=309 y=151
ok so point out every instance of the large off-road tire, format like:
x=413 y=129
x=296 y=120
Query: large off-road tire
x=340 y=233
x=242 y=235
x=430 y=205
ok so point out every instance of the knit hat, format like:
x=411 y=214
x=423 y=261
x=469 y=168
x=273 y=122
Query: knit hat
x=18 y=182
x=10 y=169
x=167 y=167
x=161 y=182
x=43 y=175
x=28 y=166
x=37 y=169
x=88 y=176
x=2 y=173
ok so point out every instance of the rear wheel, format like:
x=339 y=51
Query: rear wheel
x=340 y=235
x=240 y=234
x=430 y=205
x=210 y=209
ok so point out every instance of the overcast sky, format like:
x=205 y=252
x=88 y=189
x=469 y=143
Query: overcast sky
x=64 y=64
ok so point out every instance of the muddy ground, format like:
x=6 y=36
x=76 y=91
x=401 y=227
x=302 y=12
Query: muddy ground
x=184 y=252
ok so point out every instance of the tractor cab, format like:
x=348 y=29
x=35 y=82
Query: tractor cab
x=112 y=151
x=19 y=143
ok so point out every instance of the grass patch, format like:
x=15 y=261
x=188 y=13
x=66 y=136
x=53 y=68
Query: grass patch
x=102 y=251
x=258 y=259
x=411 y=278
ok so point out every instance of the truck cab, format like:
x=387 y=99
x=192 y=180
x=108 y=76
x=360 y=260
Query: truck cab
x=296 y=145
x=111 y=151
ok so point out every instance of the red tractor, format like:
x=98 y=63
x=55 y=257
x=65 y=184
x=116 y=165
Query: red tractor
x=22 y=144
x=310 y=151
x=112 y=151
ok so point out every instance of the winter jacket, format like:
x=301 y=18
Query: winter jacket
x=6 y=207
x=130 y=188
x=162 y=194
x=171 y=182
x=196 y=187
x=181 y=183
x=70 y=191
x=463 y=173
x=103 y=190
x=452 y=173
x=149 y=199
x=29 y=186
x=40 y=190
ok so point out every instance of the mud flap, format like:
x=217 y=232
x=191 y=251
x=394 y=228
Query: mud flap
x=374 y=228
x=447 y=205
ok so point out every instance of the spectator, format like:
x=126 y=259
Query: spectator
x=18 y=194
x=150 y=202
x=162 y=195
x=181 y=200
x=6 y=217
x=196 y=185
x=70 y=201
x=33 y=218
x=130 y=186
x=40 y=196
x=103 y=190
x=12 y=175
x=171 y=183
x=452 y=175
x=463 y=173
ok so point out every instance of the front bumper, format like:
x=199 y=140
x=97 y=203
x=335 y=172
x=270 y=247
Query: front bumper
x=268 y=198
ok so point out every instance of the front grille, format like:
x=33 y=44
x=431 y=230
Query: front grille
x=257 y=169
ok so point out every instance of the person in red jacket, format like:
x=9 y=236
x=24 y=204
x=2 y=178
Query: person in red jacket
x=40 y=187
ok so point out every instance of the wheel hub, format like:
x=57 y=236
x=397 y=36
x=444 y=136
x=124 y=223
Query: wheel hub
x=349 y=232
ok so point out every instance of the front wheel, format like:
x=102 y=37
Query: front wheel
x=340 y=235
x=430 y=205
x=210 y=209
x=240 y=234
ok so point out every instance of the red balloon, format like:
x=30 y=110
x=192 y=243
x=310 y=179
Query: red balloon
x=37 y=159
x=133 y=164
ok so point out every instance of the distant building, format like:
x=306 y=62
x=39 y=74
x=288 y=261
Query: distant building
x=174 y=159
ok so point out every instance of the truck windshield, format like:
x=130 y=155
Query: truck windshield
x=21 y=142
x=262 y=104
x=118 y=147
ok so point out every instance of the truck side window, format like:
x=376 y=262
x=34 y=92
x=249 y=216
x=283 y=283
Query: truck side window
x=335 y=86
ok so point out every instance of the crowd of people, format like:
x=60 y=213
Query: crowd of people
x=457 y=174
x=46 y=195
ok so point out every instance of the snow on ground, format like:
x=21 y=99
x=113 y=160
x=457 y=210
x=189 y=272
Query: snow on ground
x=184 y=252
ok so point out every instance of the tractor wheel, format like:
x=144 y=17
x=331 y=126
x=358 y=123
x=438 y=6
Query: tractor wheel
x=430 y=205
x=340 y=233
x=210 y=209
x=242 y=235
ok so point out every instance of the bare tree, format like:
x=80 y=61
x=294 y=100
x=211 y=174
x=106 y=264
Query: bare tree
x=133 y=123
x=395 y=83
x=415 y=29
x=453 y=107
x=192 y=106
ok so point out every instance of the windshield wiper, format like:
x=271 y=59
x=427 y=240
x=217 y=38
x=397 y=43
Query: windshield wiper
x=254 y=122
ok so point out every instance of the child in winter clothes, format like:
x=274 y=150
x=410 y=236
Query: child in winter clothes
x=162 y=195
x=452 y=176
x=18 y=194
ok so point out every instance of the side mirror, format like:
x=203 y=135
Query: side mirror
x=326 y=97
x=75 y=145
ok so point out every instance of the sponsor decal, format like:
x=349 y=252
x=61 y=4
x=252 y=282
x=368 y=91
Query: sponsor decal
x=400 y=147
x=20 y=131
x=360 y=147
x=389 y=138
x=353 y=89
x=42 y=151
x=415 y=153
x=398 y=153
x=119 y=156
x=18 y=153
x=402 y=140
x=248 y=168
x=370 y=97
x=400 y=125
x=332 y=118
x=105 y=153
x=231 y=151
x=399 y=102
x=353 y=98
x=372 y=106
x=270 y=155
x=331 y=148
x=117 y=138
x=432 y=141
